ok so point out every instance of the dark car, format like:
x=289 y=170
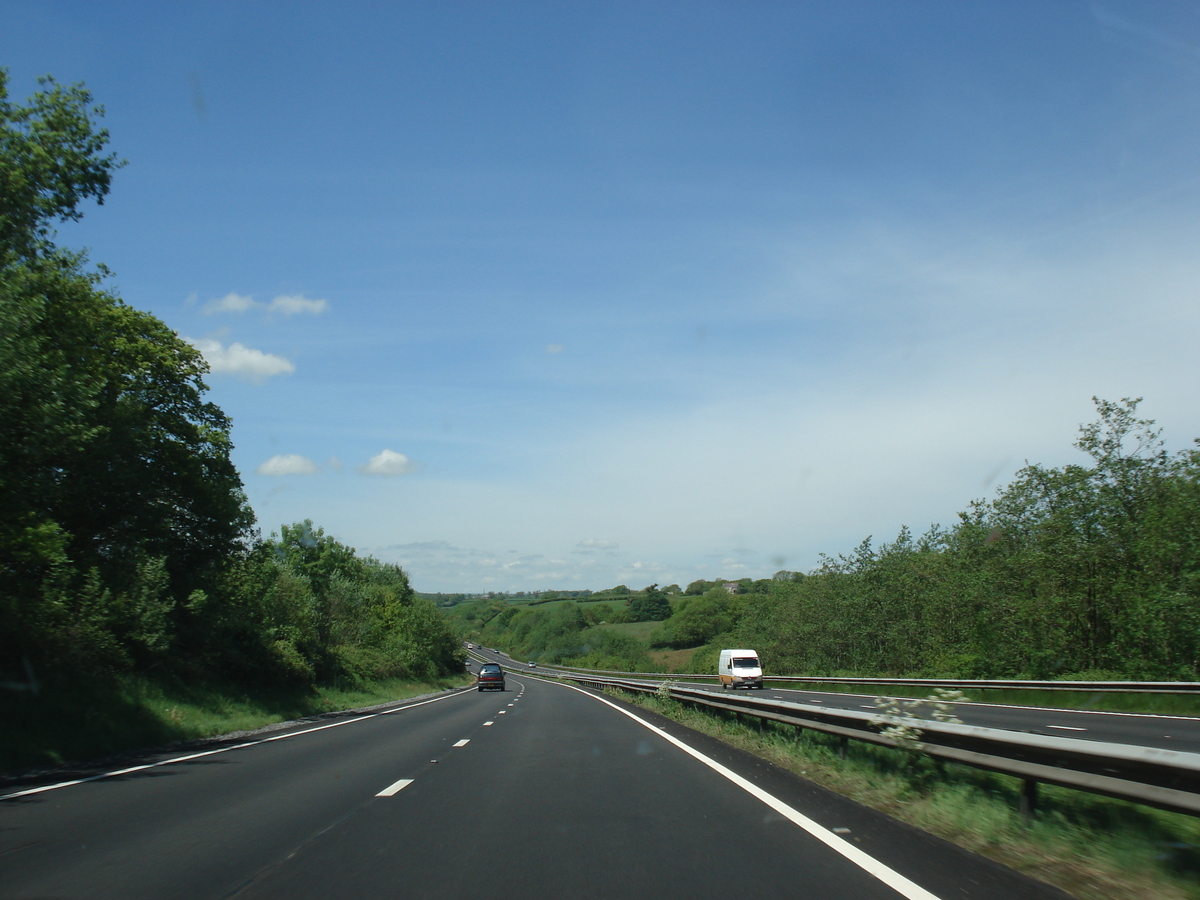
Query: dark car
x=491 y=676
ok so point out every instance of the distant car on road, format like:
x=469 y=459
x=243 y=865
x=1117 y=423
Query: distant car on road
x=533 y=665
x=490 y=677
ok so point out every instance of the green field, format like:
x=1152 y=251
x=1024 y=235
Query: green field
x=639 y=630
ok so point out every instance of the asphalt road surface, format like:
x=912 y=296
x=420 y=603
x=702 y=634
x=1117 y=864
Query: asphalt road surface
x=543 y=791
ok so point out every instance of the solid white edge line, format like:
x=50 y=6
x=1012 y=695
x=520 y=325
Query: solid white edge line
x=864 y=861
x=393 y=789
x=177 y=759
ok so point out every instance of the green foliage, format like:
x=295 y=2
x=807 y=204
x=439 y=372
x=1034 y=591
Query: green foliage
x=52 y=162
x=650 y=606
x=696 y=620
x=566 y=633
x=118 y=499
x=1067 y=570
x=126 y=543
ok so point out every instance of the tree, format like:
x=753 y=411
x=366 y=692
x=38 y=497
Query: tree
x=109 y=456
x=653 y=606
x=52 y=161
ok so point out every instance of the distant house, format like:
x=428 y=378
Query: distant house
x=732 y=587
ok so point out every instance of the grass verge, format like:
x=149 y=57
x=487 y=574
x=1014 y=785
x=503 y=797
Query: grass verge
x=1092 y=847
x=76 y=721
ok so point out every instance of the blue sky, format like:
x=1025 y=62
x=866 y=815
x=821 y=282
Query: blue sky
x=564 y=295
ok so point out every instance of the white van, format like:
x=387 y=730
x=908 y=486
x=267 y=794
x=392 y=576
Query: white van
x=740 y=668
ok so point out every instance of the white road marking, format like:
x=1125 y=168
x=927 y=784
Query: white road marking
x=502 y=712
x=864 y=861
x=488 y=723
x=396 y=788
x=1066 y=727
x=191 y=756
x=867 y=706
x=463 y=742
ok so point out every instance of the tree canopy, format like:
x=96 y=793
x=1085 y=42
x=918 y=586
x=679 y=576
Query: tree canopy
x=108 y=451
x=126 y=541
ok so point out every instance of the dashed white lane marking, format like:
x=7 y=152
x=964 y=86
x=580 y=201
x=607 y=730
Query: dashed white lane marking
x=502 y=712
x=463 y=742
x=511 y=703
x=867 y=706
x=1067 y=727
x=191 y=756
x=488 y=723
x=864 y=861
x=396 y=788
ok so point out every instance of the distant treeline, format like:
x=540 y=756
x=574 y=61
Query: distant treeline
x=1083 y=570
x=126 y=543
x=562 y=633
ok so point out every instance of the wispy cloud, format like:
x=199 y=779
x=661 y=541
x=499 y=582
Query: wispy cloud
x=387 y=464
x=288 y=464
x=241 y=361
x=230 y=303
x=297 y=304
x=286 y=305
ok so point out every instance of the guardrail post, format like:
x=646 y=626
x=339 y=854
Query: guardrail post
x=1029 y=797
x=843 y=743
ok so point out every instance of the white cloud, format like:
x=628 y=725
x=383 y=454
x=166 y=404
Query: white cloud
x=284 y=304
x=291 y=305
x=288 y=464
x=386 y=464
x=241 y=361
x=554 y=348
x=234 y=303
x=335 y=464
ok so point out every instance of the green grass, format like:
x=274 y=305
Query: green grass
x=1092 y=847
x=77 y=721
x=637 y=630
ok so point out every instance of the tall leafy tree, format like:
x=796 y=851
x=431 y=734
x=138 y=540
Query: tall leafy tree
x=109 y=454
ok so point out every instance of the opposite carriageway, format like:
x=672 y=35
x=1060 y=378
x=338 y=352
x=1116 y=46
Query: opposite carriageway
x=1164 y=778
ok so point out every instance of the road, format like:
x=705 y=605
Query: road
x=1166 y=732
x=544 y=790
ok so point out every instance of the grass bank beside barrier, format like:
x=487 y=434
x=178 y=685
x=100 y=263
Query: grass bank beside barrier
x=1092 y=847
x=76 y=721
